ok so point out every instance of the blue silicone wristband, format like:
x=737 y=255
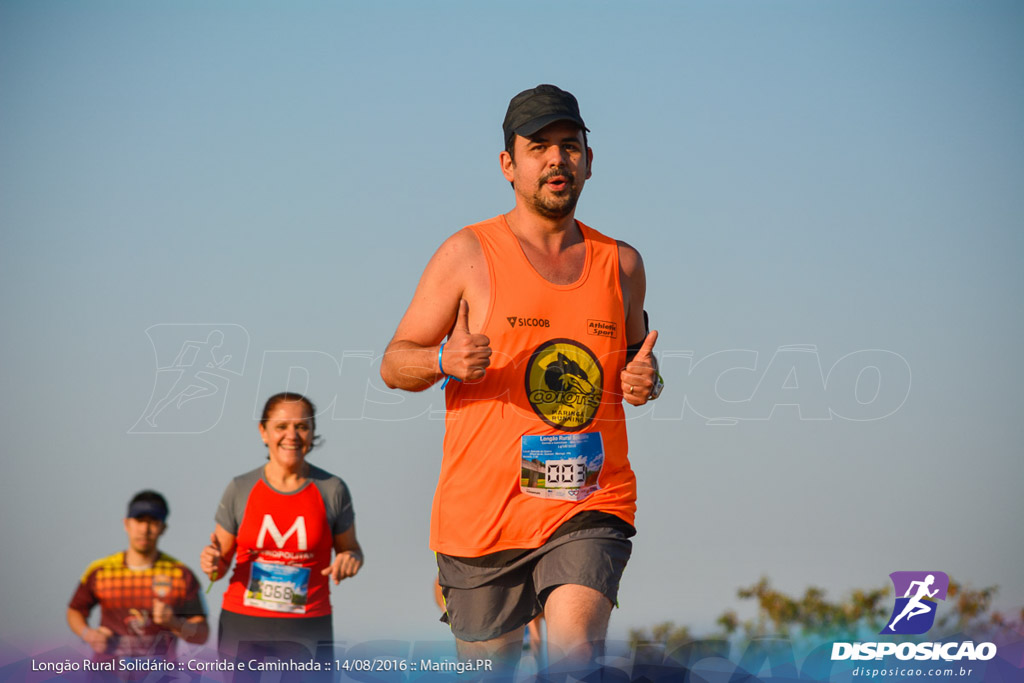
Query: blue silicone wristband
x=440 y=366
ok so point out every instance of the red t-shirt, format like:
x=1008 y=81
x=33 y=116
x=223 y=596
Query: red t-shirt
x=284 y=541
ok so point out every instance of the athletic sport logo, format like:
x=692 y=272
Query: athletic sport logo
x=914 y=612
x=564 y=381
x=603 y=328
x=194 y=366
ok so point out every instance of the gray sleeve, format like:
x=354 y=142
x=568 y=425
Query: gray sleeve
x=344 y=513
x=226 y=516
x=337 y=501
x=232 y=503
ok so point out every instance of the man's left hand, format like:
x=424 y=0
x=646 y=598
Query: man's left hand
x=345 y=564
x=641 y=374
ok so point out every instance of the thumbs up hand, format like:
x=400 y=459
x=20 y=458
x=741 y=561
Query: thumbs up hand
x=465 y=355
x=641 y=374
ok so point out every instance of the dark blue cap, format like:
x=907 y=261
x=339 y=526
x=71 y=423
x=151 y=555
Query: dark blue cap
x=147 y=508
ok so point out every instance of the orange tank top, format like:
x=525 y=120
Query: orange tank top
x=542 y=437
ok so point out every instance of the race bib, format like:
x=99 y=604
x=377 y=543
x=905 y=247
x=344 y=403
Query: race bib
x=277 y=587
x=562 y=466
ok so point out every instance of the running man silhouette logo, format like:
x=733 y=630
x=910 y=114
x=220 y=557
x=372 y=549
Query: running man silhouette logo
x=194 y=366
x=914 y=612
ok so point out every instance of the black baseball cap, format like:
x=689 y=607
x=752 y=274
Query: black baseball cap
x=532 y=109
x=148 y=504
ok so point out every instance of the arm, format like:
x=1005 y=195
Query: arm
x=910 y=588
x=96 y=638
x=349 y=556
x=193 y=629
x=640 y=374
x=215 y=559
x=411 y=359
x=185 y=618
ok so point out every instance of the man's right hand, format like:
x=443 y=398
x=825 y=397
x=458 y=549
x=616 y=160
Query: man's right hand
x=466 y=355
x=97 y=638
x=210 y=558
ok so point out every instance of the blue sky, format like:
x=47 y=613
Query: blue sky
x=827 y=198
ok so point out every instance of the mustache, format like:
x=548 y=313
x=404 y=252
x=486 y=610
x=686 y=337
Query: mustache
x=559 y=171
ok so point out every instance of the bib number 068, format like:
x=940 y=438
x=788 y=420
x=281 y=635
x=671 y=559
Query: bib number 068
x=276 y=591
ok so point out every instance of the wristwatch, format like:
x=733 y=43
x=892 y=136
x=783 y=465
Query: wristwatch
x=658 y=386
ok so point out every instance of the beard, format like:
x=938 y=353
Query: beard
x=556 y=204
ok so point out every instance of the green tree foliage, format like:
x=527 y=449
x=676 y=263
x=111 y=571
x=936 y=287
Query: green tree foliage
x=663 y=637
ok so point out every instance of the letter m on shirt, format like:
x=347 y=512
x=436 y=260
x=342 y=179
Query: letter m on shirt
x=298 y=528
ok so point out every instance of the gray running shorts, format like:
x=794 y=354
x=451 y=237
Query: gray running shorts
x=488 y=596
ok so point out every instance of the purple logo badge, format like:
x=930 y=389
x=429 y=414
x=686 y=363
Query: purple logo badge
x=916 y=595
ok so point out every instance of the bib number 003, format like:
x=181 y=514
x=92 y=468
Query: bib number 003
x=561 y=466
x=565 y=472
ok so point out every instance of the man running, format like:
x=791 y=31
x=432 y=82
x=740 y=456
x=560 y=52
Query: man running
x=916 y=604
x=148 y=599
x=546 y=336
